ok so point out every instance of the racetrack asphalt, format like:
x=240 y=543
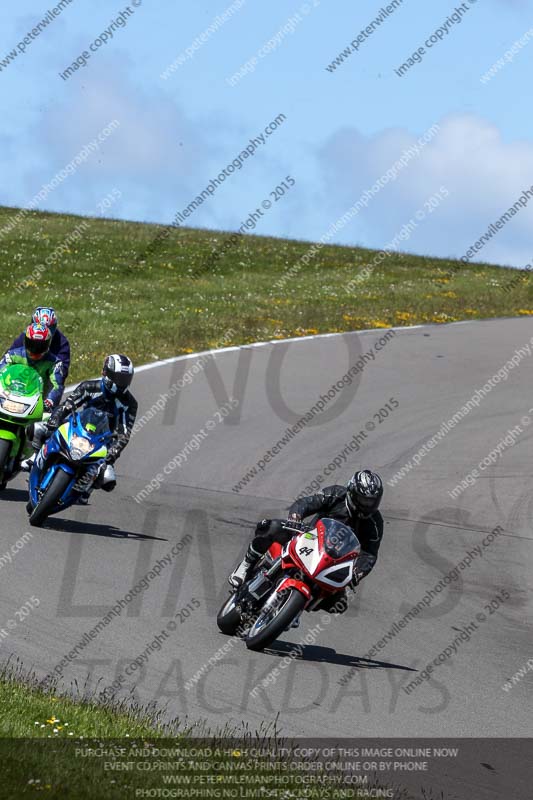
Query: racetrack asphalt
x=84 y=560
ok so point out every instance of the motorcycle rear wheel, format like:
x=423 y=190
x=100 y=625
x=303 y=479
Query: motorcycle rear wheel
x=263 y=633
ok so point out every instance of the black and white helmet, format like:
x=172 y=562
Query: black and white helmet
x=117 y=374
x=364 y=493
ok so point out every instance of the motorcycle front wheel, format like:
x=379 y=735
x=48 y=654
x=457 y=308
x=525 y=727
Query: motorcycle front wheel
x=5 y=450
x=229 y=616
x=277 y=614
x=56 y=489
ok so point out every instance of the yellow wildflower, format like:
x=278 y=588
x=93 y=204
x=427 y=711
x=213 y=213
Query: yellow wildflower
x=405 y=316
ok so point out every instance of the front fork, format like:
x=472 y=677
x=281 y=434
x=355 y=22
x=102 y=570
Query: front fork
x=263 y=581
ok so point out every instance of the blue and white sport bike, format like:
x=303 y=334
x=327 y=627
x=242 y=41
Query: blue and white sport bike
x=68 y=463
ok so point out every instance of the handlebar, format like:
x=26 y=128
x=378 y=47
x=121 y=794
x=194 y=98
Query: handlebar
x=295 y=525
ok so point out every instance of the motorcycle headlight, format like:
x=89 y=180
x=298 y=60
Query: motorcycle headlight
x=12 y=407
x=79 y=447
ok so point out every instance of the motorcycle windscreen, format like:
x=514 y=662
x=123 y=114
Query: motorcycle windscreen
x=20 y=380
x=94 y=421
x=339 y=540
x=20 y=391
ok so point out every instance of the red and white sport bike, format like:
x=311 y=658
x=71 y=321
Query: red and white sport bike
x=315 y=564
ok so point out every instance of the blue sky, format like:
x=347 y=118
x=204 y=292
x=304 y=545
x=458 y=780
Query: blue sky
x=343 y=129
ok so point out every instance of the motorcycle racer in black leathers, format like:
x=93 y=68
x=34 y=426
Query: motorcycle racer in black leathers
x=111 y=395
x=356 y=505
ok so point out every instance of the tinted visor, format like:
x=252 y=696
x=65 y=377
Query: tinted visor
x=37 y=346
x=122 y=380
x=362 y=506
x=367 y=504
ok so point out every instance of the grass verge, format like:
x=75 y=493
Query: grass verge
x=117 y=289
x=59 y=746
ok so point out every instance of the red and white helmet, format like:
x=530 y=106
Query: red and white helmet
x=37 y=341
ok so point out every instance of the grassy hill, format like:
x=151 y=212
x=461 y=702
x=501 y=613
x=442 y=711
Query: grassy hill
x=154 y=292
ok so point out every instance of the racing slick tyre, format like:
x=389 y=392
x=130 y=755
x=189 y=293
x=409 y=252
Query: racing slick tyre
x=43 y=508
x=274 y=618
x=229 y=617
x=5 y=449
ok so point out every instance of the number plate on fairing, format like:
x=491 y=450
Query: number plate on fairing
x=308 y=552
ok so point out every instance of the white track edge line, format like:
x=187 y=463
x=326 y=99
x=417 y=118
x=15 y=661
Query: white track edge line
x=233 y=348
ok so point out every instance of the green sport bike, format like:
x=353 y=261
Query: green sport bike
x=21 y=404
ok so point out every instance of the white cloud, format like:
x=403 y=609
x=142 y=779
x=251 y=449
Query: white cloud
x=160 y=157
x=156 y=156
x=484 y=174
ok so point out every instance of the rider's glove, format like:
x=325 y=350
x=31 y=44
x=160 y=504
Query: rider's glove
x=54 y=421
x=49 y=429
x=48 y=404
x=294 y=522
